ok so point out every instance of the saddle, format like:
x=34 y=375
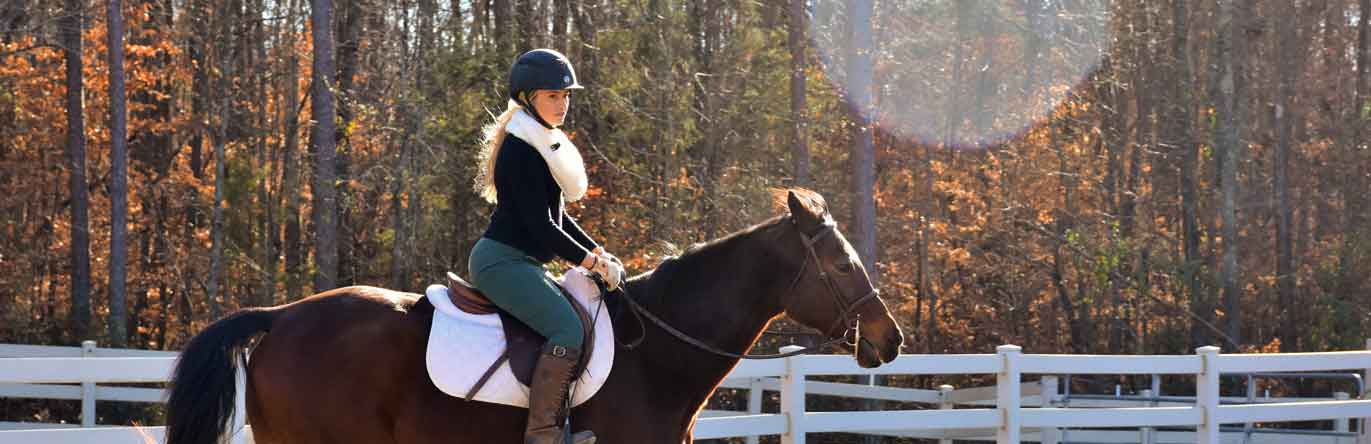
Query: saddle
x=523 y=344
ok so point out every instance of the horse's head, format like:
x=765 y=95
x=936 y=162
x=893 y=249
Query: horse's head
x=832 y=291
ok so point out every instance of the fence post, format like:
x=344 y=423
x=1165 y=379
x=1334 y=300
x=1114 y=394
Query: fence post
x=1049 y=435
x=237 y=433
x=1207 y=395
x=1362 y=436
x=1156 y=392
x=1008 y=394
x=1146 y=434
x=87 y=389
x=1341 y=425
x=754 y=403
x=793 y=401
x=945 y=403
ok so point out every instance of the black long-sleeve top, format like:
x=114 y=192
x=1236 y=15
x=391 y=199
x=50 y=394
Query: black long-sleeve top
x=528 y=213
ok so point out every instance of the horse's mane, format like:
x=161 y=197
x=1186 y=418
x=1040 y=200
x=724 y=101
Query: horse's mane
x=700 y=254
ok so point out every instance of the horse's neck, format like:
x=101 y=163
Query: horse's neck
x=725 y=299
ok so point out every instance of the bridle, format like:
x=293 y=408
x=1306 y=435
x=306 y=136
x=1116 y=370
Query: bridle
x=828 y=228
x=845 y=318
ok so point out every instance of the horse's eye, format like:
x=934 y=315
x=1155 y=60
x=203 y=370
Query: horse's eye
x=846 y=267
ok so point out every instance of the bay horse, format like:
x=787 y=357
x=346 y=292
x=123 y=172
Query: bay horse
x=347 y=365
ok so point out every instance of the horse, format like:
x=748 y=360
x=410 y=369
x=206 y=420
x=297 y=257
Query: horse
x=347 y=365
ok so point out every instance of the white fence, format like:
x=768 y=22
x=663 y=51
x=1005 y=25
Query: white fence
x=1018 y=410
x=1029 y=411
x=28 y=371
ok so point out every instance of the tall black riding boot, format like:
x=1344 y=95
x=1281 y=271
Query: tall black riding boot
x=548 y=395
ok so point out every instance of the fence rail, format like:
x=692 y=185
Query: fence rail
x=28 y=371
x=1011 y=411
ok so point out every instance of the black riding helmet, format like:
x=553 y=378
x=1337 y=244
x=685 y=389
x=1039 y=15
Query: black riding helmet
x=540 y=69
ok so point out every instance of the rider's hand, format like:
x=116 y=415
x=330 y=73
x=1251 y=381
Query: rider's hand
x=610 y=270
x=611 y=257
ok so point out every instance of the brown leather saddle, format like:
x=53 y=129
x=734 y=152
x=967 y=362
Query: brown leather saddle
x=523 y=344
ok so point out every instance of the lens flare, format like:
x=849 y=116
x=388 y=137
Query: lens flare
x=966 y=73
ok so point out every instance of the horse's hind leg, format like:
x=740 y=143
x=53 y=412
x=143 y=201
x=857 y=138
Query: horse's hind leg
x=262 y=431
x=267 y=421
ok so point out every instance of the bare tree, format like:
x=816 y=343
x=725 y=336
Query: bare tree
x=322 y=146
x=706 y=29
x=1285 y=74
x=504 y=32
x=859 y=77
x=1232 y=83
x=349 y=35
x=1356 y=203
x=266 y=161
x=560 y=16
x=76 y=154
x=1178 y=126
x=223 y=56
x=119 y=205
x=291 y=168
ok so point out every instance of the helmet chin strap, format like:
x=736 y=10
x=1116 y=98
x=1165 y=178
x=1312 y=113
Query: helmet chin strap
x=532 y=112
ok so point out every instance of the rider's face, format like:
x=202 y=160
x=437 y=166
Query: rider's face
x=552 y=105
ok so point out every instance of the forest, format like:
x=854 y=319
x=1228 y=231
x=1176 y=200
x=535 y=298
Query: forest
x=1072 y=176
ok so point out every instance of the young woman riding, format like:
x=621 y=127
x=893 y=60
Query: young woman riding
x=530 y=169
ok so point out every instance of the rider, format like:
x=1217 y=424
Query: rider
x=528 y=177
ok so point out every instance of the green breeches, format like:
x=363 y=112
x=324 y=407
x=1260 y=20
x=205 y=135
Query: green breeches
x=519 y=285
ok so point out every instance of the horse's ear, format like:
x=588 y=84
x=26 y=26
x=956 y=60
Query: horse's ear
x=801 y=212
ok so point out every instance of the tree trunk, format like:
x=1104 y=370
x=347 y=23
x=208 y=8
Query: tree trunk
x=1285 y=278
x=458 y=32
x=1143 y=88
x=322 y=145
x=291 y=168
x=859 y=77
x=199 y=87
x=349 y=35
x=1354 y=256
x=119 y=206
x=76 y=155
x=584 y=23
x=799 y=122
x=504 y=33
x=527 y=19
x=271 y=234
x=561 y=13
x=1080 y=343
x=14 y=16
x=1232 y=55
x=224 y=56
x=402 y=244
x=705 y=29
x=480 y=15
x=162 y=254
x=924 y=294
x=1178 y=122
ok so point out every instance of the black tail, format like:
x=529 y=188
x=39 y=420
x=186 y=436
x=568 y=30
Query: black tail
x=202 y=387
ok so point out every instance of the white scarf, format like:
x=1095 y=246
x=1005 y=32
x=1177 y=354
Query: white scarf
x=561 y=155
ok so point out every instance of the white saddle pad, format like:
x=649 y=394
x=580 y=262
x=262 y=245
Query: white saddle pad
x=461 y=347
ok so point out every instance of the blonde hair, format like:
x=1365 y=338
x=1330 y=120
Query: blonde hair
x=492 y=135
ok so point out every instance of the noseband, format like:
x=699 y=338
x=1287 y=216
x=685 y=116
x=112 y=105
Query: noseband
x=854 y=326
